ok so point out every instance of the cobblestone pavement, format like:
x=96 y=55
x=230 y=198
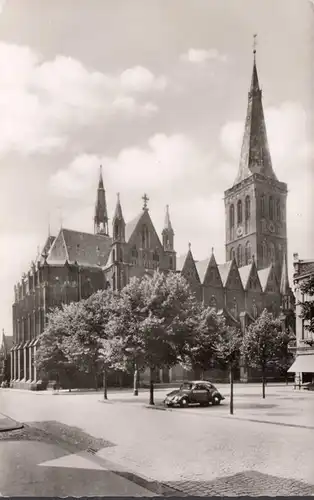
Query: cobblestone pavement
x=198 y=451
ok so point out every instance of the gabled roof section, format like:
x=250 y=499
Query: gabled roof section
x=268 y=279
x=181 y=261
x=189 y=270
x=263 y=275
x=250 y=278
x=233 y=280
x=84 y=248
x=255 y=156
x=201 y=267
x=131 y=226
x=45 y=250
x=245 y=272
x=224 y=270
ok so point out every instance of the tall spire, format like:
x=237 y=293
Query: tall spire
x=101 y=214
x=118 y=222
x=255 y=156
x=167 y=232
x=167 y=224
x=284 y=282
x=118 y=211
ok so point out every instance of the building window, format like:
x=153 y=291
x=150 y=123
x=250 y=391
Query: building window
x=134 y=252
x=171 y=262
x=213 y=302
x=271 y=252
x=271 y=208
x=145 y=237
x=231 y=219
x=232 y=254
x=247 y=253
x=235 y=308
x=263 y=205
x=113 y=255
x=239 y=255
x=239 y=212
x=247 y=213
x=264 y=253
x=254 y=310
x=116 y=231
x=278 y=210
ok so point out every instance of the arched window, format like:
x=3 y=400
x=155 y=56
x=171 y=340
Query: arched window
x=116 y=234
x=271 y=208
x=134 y=252
x=231 y=221
x=232 y=253
x=263 y=205
x=239 y=255
x=280 y=254
x=235 y=308
x=145 y=235
x=278 y=210
x=271 y=250
x=247 y=213
x=264 y=253
x=254 y=310
x=239 y=212
x=248 y=253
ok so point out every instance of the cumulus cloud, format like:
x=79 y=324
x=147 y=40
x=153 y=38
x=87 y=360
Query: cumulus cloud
x=42 y=102
x=199 y=56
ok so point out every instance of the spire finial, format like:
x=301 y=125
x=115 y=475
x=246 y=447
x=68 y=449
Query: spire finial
x=145 y=199
x=118 y=197
x=189 y=245
x=212 y=250
x=254 y=45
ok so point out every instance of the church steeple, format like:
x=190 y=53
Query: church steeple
x=167 y=232
x=101 y=214
x=255 y=156
x=284 y=282
x=118 y=222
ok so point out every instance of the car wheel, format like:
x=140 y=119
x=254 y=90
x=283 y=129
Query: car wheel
x=216 y=400
x=184 y=403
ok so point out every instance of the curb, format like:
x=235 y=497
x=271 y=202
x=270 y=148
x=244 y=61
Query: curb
x=152 y=485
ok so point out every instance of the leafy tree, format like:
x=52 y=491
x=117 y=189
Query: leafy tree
x=51 y=359
x=307 y=308
x=262 y=343
x=228 y=351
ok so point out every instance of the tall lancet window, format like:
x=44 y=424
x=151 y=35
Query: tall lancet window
x=271 y=252
x=239 y=255
x=231 y=221
x=145 y=237
x=239 y=212
x=271 y=208
x=247 y=213
x=263 y=205
x=248 y=253
x=278 y=210
x=264 y=253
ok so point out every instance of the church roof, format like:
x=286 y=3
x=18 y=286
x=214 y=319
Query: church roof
x=7 y=343
x=263 y=275
x=224 y=270
x=181 y=261
x=255 y=156
x=201 y=267
x=131 y=226
x=84 y=248
x=245 y=272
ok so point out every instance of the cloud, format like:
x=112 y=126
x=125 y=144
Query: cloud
x=139 y=79
x=43 y=102
x=199 y=56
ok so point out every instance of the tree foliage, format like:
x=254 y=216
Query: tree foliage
x=307 y=307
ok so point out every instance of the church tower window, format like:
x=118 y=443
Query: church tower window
x=278 y=210
x=231 y=219
x=271 y=208
x=263 y=205
x=239 y=255
x=247 y=253
x=264 y=253
x=247 y=213
x=239 y=212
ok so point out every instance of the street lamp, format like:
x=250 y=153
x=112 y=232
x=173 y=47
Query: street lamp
x=134 y=350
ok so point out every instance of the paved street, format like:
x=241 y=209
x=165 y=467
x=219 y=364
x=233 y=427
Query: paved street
x=197 y=450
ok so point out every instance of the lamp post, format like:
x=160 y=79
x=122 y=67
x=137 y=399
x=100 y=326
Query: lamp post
x=134 y=350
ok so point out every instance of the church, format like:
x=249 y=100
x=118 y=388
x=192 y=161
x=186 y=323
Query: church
x=72 y=265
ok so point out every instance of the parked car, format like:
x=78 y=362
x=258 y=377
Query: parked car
x=200 y=392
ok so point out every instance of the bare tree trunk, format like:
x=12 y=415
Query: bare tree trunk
x=231 y=390
x=135 y=381
x=151 y=387
x=105 y=383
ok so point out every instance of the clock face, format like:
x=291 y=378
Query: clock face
x=239 y=231
x=271 y=227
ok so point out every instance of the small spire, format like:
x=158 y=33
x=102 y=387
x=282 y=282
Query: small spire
x=145 y=199
x=118 y=211
x=101 y=182
x=189 y=246
x=212 y=250
x=167 y=224
x=101 y=214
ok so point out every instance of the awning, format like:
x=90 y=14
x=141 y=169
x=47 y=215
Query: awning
x=303 y=364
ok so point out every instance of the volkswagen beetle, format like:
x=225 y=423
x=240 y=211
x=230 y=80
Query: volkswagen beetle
x=202 y=392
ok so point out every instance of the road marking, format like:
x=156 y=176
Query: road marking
x=75 y=461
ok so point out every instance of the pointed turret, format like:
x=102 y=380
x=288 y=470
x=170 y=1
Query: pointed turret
x=101 y=214
x=167 y=232
x=118 y=222
x=255 y=156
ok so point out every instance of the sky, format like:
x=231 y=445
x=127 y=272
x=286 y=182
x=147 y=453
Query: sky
x=156 y=92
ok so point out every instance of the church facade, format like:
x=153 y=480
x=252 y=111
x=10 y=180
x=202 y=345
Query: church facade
x=73 y=265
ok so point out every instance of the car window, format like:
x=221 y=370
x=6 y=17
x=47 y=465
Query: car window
x=205 y=386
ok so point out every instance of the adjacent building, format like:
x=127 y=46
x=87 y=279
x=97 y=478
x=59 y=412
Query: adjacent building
x=5 y=357
x=72 y=265
x=303 y=366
